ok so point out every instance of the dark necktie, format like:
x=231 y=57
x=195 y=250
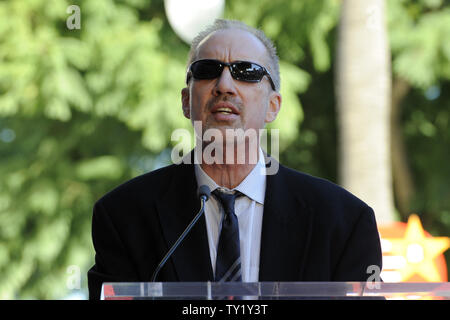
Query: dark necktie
x=228 y=262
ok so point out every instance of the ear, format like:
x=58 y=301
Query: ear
x=185 y=102
x=274 y=106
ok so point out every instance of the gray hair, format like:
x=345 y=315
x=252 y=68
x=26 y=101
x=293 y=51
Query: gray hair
x=222 y=24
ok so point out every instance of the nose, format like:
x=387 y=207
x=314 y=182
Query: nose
x=225 y=84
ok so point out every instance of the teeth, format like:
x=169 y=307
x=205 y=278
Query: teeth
x=225 y=110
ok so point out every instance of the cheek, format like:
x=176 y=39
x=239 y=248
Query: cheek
x=200 y=93
x=259 y=107
x=197 y=104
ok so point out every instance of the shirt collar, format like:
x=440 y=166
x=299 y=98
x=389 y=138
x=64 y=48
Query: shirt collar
x=253 y=186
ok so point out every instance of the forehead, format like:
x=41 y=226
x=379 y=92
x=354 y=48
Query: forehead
x=232 y=45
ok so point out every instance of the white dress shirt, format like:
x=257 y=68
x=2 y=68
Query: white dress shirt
x=249 y=211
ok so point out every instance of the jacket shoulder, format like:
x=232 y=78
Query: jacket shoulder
x=148 y=185
x=322 y=193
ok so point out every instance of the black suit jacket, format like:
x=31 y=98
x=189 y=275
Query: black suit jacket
x=313 y=230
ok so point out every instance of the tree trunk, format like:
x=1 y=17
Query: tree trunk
x=403 y=181
x=363 y=89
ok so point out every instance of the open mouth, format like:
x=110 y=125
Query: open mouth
x=224 y=110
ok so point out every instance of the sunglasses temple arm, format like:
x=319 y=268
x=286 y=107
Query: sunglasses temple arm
x=271 y=81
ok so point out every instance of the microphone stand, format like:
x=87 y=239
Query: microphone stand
x=203 y=198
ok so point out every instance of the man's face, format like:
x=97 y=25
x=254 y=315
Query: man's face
x=253 y=104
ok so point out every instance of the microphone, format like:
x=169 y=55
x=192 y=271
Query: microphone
x=203 y=192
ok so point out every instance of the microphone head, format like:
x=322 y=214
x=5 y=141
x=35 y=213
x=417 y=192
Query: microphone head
x=204 y=191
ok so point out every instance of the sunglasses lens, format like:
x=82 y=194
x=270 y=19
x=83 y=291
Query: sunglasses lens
x=241 y=70
x=247 y=71
x=206 y=69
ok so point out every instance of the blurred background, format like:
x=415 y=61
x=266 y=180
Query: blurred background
x=90 y=94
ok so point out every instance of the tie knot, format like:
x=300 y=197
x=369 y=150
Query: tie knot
x=227 y=199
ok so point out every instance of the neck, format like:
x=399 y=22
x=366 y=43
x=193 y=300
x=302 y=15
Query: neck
x=230 y=169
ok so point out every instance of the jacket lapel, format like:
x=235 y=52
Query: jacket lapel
x=176 y=210
x=286 y=228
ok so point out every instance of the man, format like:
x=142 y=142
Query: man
x=286 y=226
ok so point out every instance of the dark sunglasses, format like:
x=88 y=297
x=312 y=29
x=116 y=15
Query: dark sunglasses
x=240 y=70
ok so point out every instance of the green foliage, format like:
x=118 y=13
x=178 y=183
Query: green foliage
x=77 y=117
x=426 y=125
x=420 y=41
